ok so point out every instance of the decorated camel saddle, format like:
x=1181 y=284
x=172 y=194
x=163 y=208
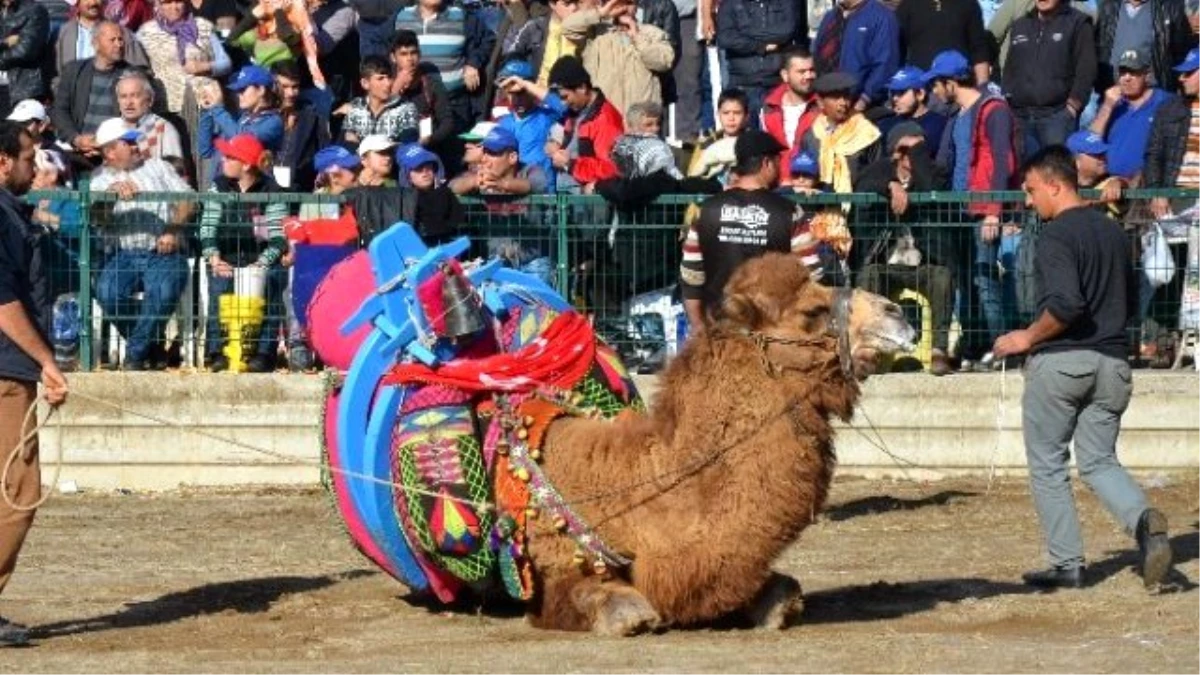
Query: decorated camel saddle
x=479 y=435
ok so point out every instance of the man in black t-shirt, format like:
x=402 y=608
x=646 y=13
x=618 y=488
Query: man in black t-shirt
x=25 y=356
x=1078 y=381
x=744 y=222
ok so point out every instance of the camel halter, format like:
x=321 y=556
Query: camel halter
x=837 y=327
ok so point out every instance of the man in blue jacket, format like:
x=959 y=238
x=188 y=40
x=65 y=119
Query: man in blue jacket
x=534 y=111
x=860 y=37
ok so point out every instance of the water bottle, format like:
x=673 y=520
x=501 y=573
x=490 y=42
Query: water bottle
x=65 y=332
x=681 y=329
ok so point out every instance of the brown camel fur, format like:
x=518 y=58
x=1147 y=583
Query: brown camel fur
x=734 y=460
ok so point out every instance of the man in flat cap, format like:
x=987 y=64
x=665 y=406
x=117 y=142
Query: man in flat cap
x=845 y=143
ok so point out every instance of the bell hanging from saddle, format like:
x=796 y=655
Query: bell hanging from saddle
x=464 y=313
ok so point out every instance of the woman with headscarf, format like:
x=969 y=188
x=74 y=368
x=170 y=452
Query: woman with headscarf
x=129 y=14
x=182 y=48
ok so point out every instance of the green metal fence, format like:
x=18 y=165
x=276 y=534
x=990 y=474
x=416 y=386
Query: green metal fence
x=617 y=264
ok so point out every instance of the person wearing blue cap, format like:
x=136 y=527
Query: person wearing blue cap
x=337 y=171
x=500 y=178
x=1125 y=117
x=1173 y=152
x=535 y=110
x=978 y=155
x=259 y=114
x=438 y=214
x=1091 y=165
x=908 y=93
x=1050 y=72
x=805 y=173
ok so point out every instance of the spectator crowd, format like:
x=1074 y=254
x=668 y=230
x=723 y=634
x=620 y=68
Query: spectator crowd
x=629 y=99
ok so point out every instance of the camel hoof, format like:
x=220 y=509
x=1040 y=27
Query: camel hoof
x=779 y=604
x=624 y=614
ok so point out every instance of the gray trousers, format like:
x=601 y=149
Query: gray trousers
x=1081 y=395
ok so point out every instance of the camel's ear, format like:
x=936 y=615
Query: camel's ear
x=751 y=308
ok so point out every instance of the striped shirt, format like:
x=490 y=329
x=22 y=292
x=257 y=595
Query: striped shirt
x=135 y=225
x=734 y=227
x=443 y=41
x=1189 y=171
x=244 y=233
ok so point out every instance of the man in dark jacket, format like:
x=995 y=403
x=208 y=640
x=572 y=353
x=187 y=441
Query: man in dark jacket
x=418 y=84
x=754 y=35
x=1049 y=74
x=928 y=27
x=304 y=131
x=85 y=91
x=591 y=129
x=1173 y=136
x=24 y=47
x=1158 y=28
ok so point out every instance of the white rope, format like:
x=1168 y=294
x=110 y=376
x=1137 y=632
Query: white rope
x=20 y=450
x=16 y=452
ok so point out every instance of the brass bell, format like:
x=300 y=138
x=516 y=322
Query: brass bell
x=560 y=524
x=599 y=567
x=503 y=447
x=528 y=420
x=522 y=433
x=531 y=513
x=522 y=474
x=535 y=454
x=578 y=558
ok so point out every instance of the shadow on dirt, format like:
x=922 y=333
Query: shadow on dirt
x=882 y=600
x=245 y=596
x=1185 y=547
x=884 y=503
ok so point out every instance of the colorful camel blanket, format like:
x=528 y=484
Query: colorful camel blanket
x=432 y=440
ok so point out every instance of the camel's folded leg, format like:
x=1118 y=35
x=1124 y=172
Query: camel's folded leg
x=779 y=603
x=609 y=607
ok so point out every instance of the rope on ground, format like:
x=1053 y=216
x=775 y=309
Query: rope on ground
x=16 y=452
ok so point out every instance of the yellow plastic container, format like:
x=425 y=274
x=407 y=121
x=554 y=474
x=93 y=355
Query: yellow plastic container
x=241 y=318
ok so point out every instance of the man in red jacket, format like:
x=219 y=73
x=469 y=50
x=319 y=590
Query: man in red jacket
x=590 y=130
x=790 y=108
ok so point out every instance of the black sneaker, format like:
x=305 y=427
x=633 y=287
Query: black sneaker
x=12 y=634
x=217 y=363
x=135 y=366
x=300 y=359
x=260 y=364
x=1055 y=577
x=1153 y=546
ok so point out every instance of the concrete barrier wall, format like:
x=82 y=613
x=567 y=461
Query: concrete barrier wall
x=951 y=425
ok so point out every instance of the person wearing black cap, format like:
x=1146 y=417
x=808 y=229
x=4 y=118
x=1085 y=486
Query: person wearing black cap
x=908 y=167
x=744 y=222
x=591 y=128
x=842 y=139
x=1126 y=114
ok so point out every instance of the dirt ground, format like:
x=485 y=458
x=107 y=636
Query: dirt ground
x=898 y=576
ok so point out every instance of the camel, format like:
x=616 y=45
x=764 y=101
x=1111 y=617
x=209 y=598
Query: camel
x=731 y=463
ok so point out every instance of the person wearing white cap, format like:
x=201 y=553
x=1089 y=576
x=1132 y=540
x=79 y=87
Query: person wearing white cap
x=376 y=154
x=145 y=234
x=32 y=115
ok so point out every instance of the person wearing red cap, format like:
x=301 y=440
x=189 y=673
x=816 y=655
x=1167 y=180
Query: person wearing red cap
x=232 y=235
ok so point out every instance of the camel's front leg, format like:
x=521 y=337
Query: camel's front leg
x=779 y=603
x=608 y=607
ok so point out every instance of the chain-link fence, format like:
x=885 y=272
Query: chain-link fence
x=208 y=280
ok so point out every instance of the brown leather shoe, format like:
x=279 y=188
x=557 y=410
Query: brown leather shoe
x=939 y=364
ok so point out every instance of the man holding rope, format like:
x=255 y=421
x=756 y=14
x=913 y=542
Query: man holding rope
x=1077 y=379
x=25 y=356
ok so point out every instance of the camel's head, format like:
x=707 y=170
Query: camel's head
x=774 y=296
